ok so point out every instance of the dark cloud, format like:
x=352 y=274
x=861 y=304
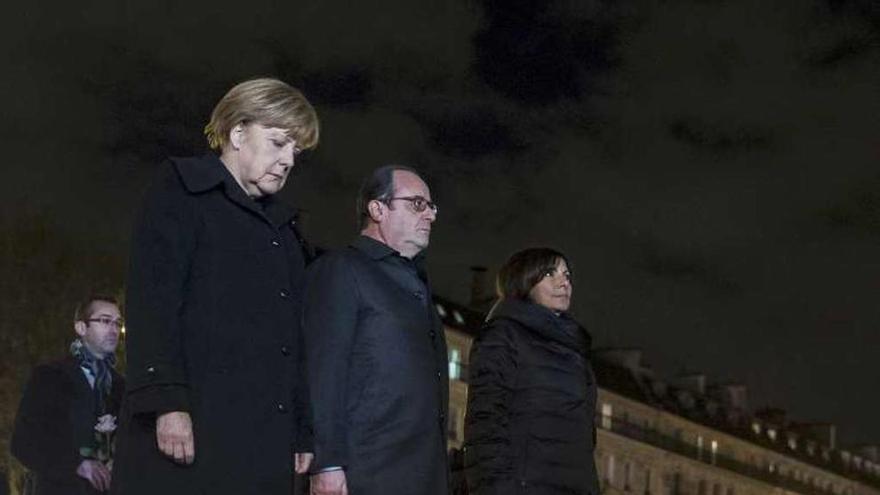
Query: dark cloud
x=715 y=139
x=536 y=53
x=469 y=133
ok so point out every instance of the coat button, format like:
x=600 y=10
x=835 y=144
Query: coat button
x=284 y=293
x=285 y=350
x=282 y=408
x=440 y=375
x=275 y=243
x=432 y=334
x=151 y=369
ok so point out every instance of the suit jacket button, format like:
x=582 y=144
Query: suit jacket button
x=284 y=293
x=275 y=243
x=282 y=408
x=285 y=350
x=151 y=369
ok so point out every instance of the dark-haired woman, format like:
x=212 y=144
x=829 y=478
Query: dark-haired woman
x=532 y=393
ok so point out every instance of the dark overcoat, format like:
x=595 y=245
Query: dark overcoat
x=212 y=304
x=57 y=415
x=531 y=405
x=377 y=370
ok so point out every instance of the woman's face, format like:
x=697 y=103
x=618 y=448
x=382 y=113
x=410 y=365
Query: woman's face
x=265 y=157
x=553 y=291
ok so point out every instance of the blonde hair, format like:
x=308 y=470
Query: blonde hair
x=268 y=102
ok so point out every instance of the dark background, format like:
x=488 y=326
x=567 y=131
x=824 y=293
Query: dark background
x=710 y=166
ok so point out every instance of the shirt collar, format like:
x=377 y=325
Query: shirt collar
x=378 y=250
x=371 y=247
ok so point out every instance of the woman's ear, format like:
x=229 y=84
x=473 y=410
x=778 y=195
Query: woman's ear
x=236 y=136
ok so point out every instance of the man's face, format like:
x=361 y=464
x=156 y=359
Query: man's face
x=266 y=156
x=100 y=330
x=405 y=229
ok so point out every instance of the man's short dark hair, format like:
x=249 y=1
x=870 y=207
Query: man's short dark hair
x=524 y=269
x=378 y=185
x=85 y=308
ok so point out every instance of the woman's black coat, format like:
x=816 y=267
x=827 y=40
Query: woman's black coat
x=531 y=405
x=213 y=302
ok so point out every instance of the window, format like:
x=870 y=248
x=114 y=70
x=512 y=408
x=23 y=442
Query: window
x=714 y=447
x=454 y=364
x=609 y=474
x=703 y=488
x=458 y=318
x=700 y=447
x=771 y=433
x=440 y=310
x=756 y=427
x=606 y=415
x=627 y=476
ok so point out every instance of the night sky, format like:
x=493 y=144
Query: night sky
x=709 y=166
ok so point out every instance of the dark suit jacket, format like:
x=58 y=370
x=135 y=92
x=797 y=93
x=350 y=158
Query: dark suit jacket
x=377 y=370
x=55 y=418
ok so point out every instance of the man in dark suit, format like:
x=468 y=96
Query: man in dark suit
x=65 y=422
x=377 y=363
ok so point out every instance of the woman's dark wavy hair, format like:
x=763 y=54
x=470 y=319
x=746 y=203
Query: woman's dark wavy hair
x=524 y=269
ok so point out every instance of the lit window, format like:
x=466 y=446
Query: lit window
x=756 y=427
x=714 y=447
x=458 y=318
x=606 y=415
x=440 y=310
x=792 y=443
x=454 y=364
x=771 y=433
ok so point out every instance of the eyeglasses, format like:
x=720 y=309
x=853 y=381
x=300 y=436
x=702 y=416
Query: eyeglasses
x=107 y=321
x=418 y=203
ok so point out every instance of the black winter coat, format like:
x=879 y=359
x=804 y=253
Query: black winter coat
x=378 y=371
x=57 y=415
x=531 y=405
x=213 y=306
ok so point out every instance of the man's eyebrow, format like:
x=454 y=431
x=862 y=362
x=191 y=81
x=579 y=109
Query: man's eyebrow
x=102 y=314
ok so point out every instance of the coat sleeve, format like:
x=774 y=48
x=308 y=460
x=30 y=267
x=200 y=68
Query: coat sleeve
x=42 y=438
x=163 y=245
x=489 y=447
x=330 y=320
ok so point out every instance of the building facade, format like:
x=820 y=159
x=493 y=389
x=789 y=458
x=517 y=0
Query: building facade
x=680 y=436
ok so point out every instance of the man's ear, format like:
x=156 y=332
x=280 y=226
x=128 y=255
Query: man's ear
x=236 y=136
x=80 y=328
x=376 y=210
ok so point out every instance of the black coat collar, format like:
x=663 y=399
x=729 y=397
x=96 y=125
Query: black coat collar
x=201 y=174
x=376 y=250
x=544 y=323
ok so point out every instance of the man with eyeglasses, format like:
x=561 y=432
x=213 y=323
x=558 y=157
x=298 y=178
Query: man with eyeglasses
x=377 y=363
x=66 y=419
